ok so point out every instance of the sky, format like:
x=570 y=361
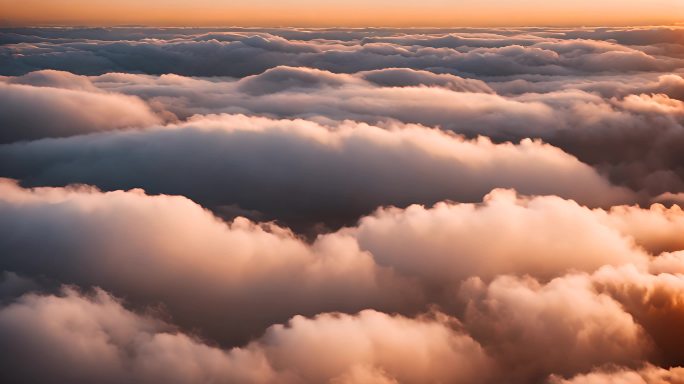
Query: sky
x=352 y=13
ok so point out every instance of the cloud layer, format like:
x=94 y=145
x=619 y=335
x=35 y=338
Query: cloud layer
x=344 y=206
x=482 y=314
x=322 y=174
x=240 y=52
x=627 y=126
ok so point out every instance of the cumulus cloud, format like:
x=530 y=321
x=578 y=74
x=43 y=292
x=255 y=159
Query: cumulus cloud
x=302 y=172
x=647 y=375
x=341 y=205
x=513 y=329
x=77 y=338
x=630 y=132
x=169 y=251
x=655 y=301
x=499 y=270
x=562 y=327
x=575 y=324
x=504 y=235
x=405 y=77
x=656 y=229
x=139 y=247
x=505 y=333
x=29 y=112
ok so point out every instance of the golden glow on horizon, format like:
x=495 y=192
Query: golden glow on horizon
x=353 y=13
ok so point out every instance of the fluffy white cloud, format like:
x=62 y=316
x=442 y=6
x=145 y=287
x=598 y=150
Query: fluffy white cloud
x=319 y=174
x=507 y=234
x=629 y=126
x=563 y=327
x=168 y=250
x=76 y=338
x=647 y=375
x=29 y=113
x=140 y=247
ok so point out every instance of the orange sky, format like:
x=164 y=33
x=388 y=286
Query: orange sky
x=340 y=13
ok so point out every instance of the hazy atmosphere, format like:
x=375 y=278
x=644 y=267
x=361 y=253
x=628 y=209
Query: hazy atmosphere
x=349 y=13
x=352 y=192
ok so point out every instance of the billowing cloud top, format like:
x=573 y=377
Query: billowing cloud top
x=356 y=206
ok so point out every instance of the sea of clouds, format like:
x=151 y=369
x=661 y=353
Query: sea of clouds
x=344 y=206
